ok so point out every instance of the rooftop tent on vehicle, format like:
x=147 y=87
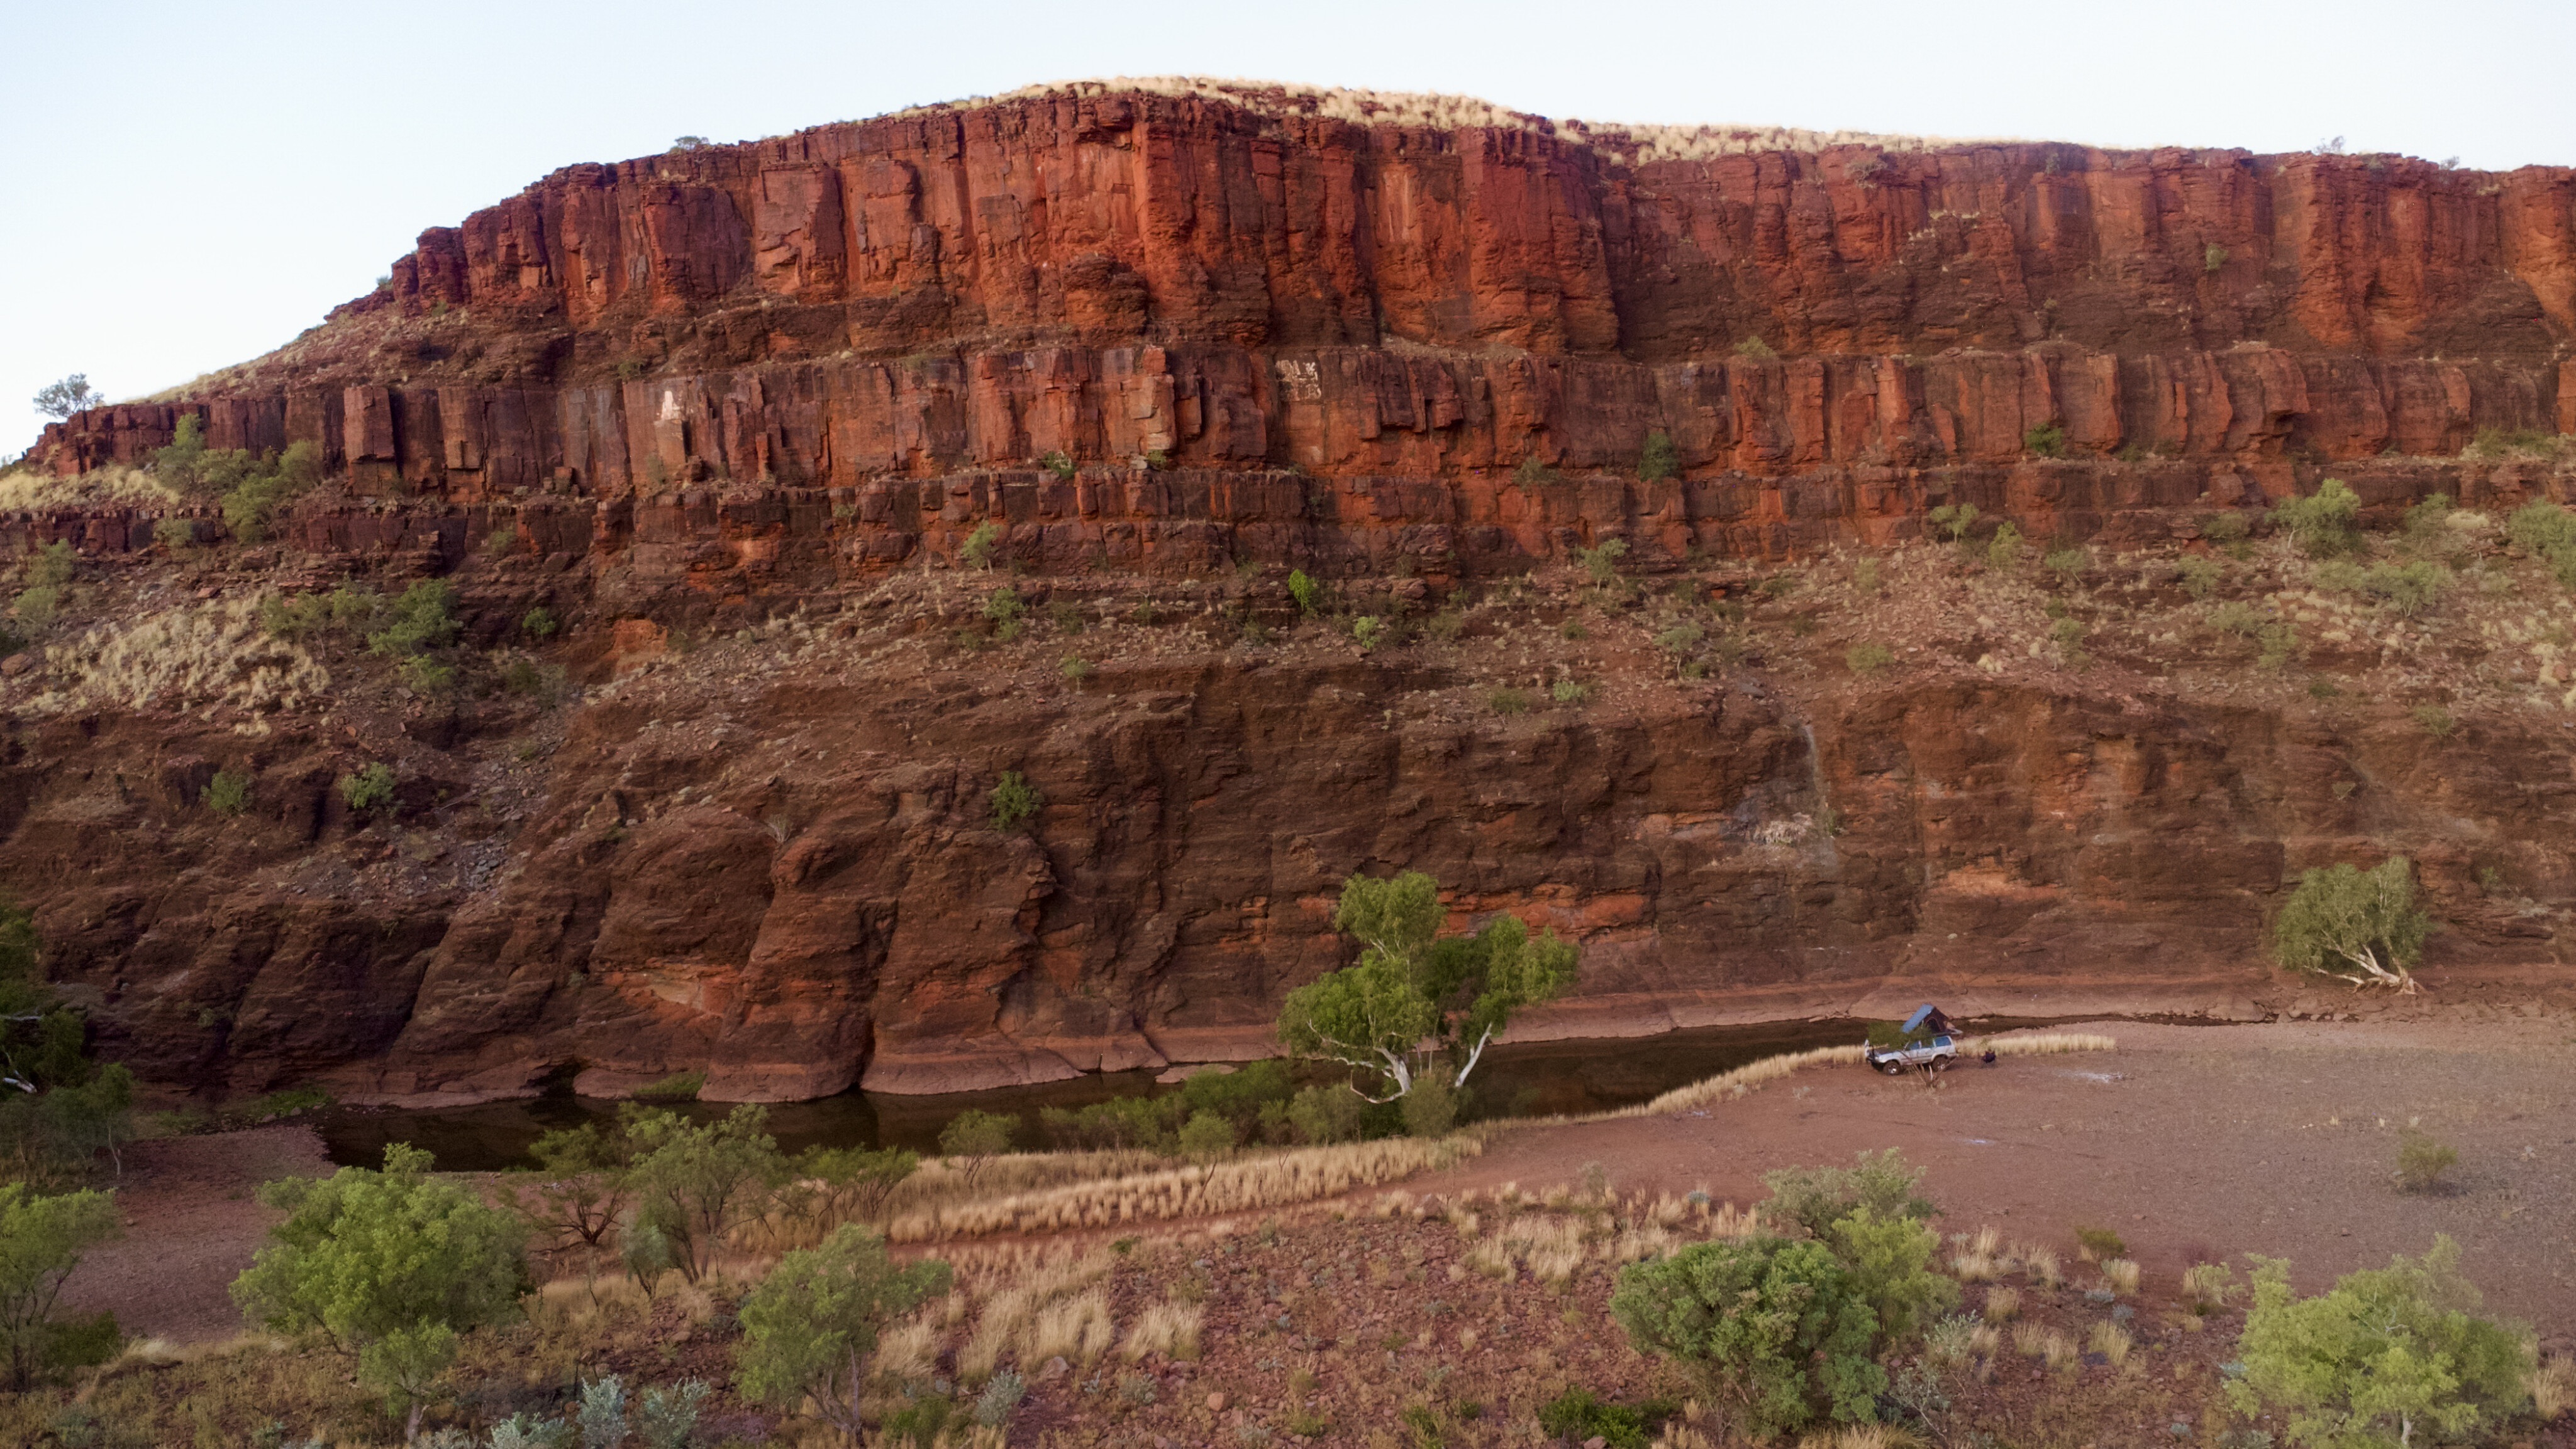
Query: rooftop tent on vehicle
x=1926 y=1025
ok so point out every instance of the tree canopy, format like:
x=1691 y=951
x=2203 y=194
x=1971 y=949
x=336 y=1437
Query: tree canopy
x=392 y=1264
x=41 y=1241
x=2355 y=925
x=1416 y=1003
x=58 y=1109
x=809 y=1327
x=2386 y=1355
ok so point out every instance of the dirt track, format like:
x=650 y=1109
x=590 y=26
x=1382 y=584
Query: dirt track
x=2190 y=1141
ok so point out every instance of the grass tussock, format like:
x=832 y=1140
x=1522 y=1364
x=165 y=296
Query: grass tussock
x=1244 y=1185
x=1770 y=1069
x=2002 y=1304
x=2122 y=1275
x=199 y=655
x=2552 y=1386
x=25 y=490
x=1169 y=1329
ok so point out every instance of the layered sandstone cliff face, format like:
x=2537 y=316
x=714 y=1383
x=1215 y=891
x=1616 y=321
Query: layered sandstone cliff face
x=713 y=391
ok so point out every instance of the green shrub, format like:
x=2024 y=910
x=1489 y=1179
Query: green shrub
x=2354 y=925
x=1206 y=1137
x=2435 y=720
x=2429 y=518
x=2275 y=644
x=253 y=492
x=2422 y=1159
x=1059 y=464
x=1507 y=702
x=2067 y=563
x=1569 y=691
x=2238 y=617
x=1680 y=638
x=2387 y=1356
x=391 y=1264
x=1015 y=802
x=1777 y=1331
x=1892 y=1265
x=1578 y=1415
x=808 y=1329
x=1533 y=474
x=978 y=548
x=42 y=1239
x=2200 y=575
x=1601 y=560
x=1305 y=591
x=692 y=1179
x=1077 y=668
x=1755 y=347
x=2326 y=522
x=2004 y=550
x=2103 y=1243
x=1325 y=1115
x=2067 y=633
x=2212 y=257
x=1369 y=630
x=61 y=1110
x=2048 y=440
x=1864 y=576
x=2228 y=527
x=228 y=793
x=1954 y=519
x=538 y=623
x=1811 y=1200
x=369 y=789
x=421 y=619
x=1432 y=1107
x=1003 y=608
x=38 y=607
x=501 y=542
x=1659 y=460
x=1868 y=658
x=175 y=534
x=52 y=566
x=977 y=1137
x=2497 y=442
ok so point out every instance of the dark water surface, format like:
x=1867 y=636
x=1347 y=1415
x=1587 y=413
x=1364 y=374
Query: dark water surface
x=1534 y=1079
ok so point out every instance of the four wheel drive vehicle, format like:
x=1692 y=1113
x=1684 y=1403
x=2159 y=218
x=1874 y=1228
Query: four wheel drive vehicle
x=1926 y=1039
x=1936 y=1052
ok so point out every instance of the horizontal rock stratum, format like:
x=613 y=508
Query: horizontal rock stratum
x=733 y=414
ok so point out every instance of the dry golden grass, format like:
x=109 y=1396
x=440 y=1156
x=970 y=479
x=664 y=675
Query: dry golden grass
x=2002 y=1304
x=1077 y=1330
x=1244 y=1185
x=2121 y=1274
x=1170 y=1329
x=198 y=655
x=1745 y=1078
x=2058 y=1347
x=908 y=1352
x=2111 y=1341
x=2041 y=1265
x=2030 y=1340
x=26 y=490
x=2552 y=1385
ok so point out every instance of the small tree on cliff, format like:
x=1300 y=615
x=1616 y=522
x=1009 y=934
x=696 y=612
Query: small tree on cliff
x=64 y=398
x=1415 y=1007
x=2355 y=925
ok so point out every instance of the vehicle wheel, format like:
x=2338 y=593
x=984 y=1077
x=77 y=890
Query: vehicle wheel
x=1892 y=1068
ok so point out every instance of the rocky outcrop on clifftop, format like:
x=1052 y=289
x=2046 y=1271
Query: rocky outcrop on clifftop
x=732 y=415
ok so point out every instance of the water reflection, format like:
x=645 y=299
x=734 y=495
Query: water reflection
x=1532 y=1079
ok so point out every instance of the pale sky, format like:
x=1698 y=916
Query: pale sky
x=192 y=185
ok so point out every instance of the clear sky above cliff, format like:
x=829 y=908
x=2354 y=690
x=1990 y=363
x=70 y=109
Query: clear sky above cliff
x=192 y=185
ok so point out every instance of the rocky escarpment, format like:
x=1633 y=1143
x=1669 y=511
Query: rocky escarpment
x=732 y=417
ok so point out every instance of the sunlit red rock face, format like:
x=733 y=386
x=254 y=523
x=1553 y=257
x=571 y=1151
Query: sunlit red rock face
x=1114 y=276
x=710 y=388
